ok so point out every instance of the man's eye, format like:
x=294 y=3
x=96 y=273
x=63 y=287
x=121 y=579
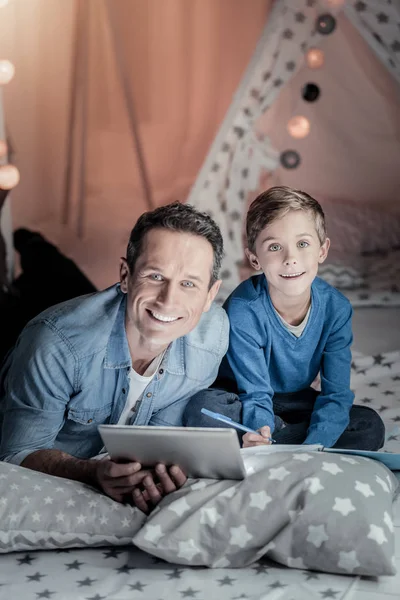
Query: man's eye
x=156 y=277
x=303 y=244
x=188 y=284
x=274 y=247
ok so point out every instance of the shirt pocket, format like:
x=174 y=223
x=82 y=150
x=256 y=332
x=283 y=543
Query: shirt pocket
x=89 y=417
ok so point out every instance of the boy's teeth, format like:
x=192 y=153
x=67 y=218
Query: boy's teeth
x=163 y=317
x=292 y=275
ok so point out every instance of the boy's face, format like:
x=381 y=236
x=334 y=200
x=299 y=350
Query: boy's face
x=289 y=251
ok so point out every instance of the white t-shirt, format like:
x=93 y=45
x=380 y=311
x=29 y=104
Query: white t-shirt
x=137 y=385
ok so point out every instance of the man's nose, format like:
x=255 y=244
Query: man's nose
x=168 y=294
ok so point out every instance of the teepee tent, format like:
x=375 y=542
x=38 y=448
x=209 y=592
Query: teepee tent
x=317 y=109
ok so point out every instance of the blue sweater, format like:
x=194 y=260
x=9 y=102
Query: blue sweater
x=264 y=358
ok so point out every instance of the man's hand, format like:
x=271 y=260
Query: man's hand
x=123 y=480
x=254 y=439
x=169 y=480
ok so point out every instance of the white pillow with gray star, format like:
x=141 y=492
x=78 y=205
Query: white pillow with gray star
x=305 y=510
x=40 y=511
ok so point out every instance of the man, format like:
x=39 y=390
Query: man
x=132 y=354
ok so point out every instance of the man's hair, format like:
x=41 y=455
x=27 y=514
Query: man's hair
x=274 y=204
x=177 y=217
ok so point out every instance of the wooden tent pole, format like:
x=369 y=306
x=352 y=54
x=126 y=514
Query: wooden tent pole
x=84 y=117
x=77 y=43
x=130 y=105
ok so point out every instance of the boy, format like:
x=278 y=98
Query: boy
x=288 y=326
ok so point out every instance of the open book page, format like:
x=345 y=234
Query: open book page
x=254 y=458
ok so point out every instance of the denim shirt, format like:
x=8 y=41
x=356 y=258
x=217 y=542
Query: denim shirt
x=69 y=372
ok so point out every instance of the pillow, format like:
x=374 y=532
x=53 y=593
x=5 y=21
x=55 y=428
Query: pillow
x=308 y=510
x=39 y=511
x=342 y=275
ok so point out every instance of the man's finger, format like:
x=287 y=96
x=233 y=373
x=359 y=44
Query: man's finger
x=139 y=501
x=152 y=490
x=167 y=485
x=177 y=475
x=114 y=470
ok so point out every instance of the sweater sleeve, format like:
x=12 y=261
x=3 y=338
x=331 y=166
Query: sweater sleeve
x=330 y=416
x=248 y=362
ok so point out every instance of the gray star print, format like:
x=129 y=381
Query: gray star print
x=36 y=577
x=26 y=560
x=124 y=569
x=189 y=593
x=226 y=581
x=329 y=593
x=86 y=581
x=44 y=594
x=277 y=584
x=176 y=574
x=138 y=586
x=74 y=565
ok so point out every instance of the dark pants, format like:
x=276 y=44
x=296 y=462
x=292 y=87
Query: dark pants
x=365 y=431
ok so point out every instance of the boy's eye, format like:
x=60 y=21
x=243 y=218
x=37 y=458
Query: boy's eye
x=156 y=277
x=303 y=244
x=188 y=284
x=274 y=247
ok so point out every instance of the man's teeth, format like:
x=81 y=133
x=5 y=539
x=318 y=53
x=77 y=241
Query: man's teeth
x=163 y=317
x=291 y=275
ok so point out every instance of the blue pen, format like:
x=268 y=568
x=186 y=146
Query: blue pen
x=229 y=421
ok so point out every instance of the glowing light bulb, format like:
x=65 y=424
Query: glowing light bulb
x=298 y=127
x=315 y=58
x=3 y=148
x=9 y=177
x=7 y=71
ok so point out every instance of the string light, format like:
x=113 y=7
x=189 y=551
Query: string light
x=298 y=127
x=315 y=58
x=7 y=71
x=9 y=177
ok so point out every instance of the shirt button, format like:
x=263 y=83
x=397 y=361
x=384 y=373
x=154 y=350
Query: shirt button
x=149 y=394
x=123 y=390
x=90 y=421
x=161 y=371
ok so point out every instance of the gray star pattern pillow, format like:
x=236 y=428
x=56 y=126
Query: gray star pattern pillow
x=307 y=510
x=40 y=511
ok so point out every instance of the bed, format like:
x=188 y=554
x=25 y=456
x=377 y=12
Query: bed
x=124 y=571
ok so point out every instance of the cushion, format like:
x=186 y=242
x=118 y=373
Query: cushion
x=308 y=510
x=39 y=511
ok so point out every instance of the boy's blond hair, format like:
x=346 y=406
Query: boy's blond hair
x=274 y=204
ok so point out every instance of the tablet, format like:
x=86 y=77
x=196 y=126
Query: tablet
x=200 y=452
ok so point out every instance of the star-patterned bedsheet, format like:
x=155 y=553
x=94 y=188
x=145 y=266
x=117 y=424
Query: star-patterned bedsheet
x=128 y=573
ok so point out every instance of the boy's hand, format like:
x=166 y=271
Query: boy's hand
x=253 y=439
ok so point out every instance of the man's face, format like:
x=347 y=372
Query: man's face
x=169 y=288
x=289 y=251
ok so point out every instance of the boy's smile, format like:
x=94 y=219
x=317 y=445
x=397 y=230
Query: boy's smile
x=289 y=251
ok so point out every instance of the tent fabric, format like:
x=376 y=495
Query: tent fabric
x=242 y=150
x=379 y=24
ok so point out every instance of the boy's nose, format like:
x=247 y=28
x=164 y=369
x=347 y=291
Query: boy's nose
x=290 y=260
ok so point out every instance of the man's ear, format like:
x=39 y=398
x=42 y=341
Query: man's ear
x=123 y=274
x=212 y=293
x=323 y=251
x=253 y=260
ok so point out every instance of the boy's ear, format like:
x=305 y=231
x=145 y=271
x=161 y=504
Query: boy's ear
x=253 y=260
x=323 y=251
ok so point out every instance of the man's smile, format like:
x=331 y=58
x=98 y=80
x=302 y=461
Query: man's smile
x=163 y=318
